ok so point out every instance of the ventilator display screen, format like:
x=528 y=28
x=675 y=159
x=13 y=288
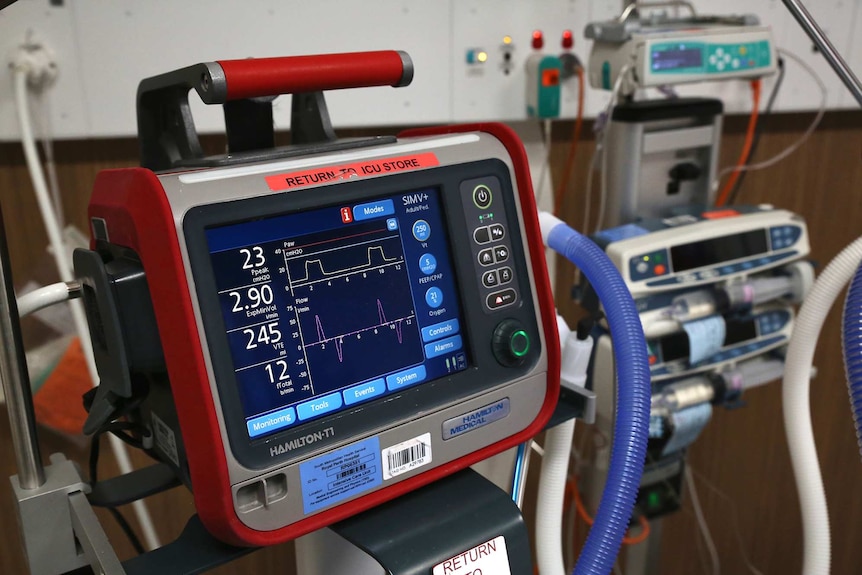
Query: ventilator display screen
x=334 y=307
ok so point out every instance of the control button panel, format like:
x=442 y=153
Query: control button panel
x=784 y=236
x=491 y=245
x=647 y=266
x=752 y=265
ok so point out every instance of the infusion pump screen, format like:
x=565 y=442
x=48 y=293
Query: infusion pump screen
x=327 y=309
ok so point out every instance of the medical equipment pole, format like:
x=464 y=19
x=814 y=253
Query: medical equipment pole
x=825 y=46
x=15 y=379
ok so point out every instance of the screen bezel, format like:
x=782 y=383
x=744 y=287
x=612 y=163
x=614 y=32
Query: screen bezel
x=483 y=372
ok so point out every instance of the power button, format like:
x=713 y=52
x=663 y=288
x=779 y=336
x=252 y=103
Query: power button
x=482 y=196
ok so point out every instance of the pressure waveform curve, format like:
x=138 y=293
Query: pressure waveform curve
x=338 y=340
x=368 y=265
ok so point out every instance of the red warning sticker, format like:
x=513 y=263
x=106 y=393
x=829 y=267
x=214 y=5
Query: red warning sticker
x=718 y=214
x=364 y=169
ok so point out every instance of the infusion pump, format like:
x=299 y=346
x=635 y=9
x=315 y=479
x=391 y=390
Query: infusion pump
x=720 y=278
x=666 y=51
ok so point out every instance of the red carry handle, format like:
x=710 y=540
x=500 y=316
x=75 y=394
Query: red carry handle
x=167 y=132
x=258 y=77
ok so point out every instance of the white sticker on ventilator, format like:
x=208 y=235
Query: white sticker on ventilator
x=165 y=439
x=489 y=558
x=406 y=456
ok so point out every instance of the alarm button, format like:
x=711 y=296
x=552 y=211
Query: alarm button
x=501 y=298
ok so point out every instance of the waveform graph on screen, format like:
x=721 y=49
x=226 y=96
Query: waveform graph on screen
x=353 y=304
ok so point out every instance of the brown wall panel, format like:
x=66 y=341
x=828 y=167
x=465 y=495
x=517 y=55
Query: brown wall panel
x=742 y=453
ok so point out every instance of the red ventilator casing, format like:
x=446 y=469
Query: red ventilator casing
x=137 y=209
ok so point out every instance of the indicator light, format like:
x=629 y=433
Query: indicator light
x=476 y=56
x=507 y=40
x=520 y=343
x=538 y=40
x=568 y=40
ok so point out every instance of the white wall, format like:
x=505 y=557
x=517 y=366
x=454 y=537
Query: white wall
x=104 y=48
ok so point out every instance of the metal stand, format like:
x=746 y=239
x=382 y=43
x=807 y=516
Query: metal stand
x=807 y=22
x=643 y=558
x=58 y=527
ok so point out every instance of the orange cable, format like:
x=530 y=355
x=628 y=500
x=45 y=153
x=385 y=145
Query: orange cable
x=639 y=538
x=576 y=135
x=746 y=147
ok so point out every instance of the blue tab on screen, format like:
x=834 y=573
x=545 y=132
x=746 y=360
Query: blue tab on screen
x=443 y=346
x=405 y=378
x=364 y=391
x=438 y=330
x=318 y=406
x=373 y=210
x=271 y=421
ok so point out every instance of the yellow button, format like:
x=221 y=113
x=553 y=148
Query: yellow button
x=742 y=51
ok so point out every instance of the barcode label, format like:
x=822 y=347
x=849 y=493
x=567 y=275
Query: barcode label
x=406 y=456
x=352 y=471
